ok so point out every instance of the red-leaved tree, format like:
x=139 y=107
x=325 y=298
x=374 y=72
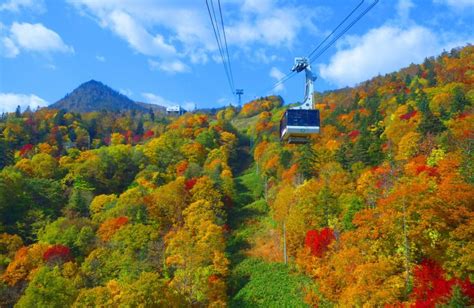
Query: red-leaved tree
x=57 y=253
x=354 y=134
x=407 y=116
x=189 y=184
x=431 y=171
x=26 y=149
x=318 y=242
x=148 y=134
x=432 y=288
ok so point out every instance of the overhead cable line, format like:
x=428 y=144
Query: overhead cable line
x=335 y=29
x=217 y=36
x=344 y=31
x=220 y=39
x=283 y=80
x=225 y=43
x=337 y=37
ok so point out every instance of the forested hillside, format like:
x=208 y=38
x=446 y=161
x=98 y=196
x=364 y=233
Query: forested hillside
x=136 y=209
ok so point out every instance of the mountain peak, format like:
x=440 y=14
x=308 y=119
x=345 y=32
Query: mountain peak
x=92 y=82
x=93 y=95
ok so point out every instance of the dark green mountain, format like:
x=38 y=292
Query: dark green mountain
x=153 y=107
x=96 y=96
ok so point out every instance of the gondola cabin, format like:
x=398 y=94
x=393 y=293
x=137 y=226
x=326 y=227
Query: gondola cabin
x=298 y=125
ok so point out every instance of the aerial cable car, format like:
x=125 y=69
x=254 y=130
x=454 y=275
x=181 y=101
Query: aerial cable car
x=298 y=124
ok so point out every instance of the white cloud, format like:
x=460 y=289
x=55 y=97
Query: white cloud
x=158 y=100
x=277 y=26
x=10 y=101
x=152 y=98
x=261 y=55
x=17 y=5
x=180 y=29
x=276 y=74
x=32 y=37
x=383 y=50
x=142 y=23
x=169 y=66
x=126 y=92
x=223 y=101
x=38 y=38
x=403 y=9
x=8 y=48
x=100 y=58
x=189 y=106
x=457 y=4
x=274 y=23
x=137 y=36
x=199 y=56
x=261 y=6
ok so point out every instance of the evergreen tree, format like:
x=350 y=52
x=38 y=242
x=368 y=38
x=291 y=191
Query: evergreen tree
x=152 y=115
x=92 y=128
x=343 y=156
x=6 y=154
x=18 y=111
x=59 y=118
x=460 y=101
x=139 y=131
x=429 y=122
x=360 y=150
x=77 y=205
x=306 y=161
x=79 y=199
x=430 y=74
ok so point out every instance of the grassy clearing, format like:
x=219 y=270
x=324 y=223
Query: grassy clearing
x=242 y=124
x=254 y=282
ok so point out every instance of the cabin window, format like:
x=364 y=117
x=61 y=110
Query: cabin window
x=297 y=117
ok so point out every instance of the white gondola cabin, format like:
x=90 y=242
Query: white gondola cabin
x=298 y=124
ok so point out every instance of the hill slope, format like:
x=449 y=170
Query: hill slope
x=119 y=209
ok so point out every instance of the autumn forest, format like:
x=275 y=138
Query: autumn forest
x=139 y=209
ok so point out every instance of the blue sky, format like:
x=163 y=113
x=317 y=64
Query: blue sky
x=164 y=52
